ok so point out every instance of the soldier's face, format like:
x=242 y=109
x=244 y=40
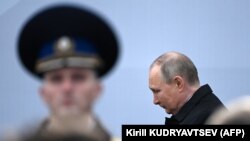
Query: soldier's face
x=70 y=91
x=164 y=95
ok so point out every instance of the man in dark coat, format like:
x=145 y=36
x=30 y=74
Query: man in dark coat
x=174 y=81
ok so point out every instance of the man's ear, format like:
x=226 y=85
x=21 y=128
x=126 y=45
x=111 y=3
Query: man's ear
x=98 y=89
x=179 y=82
x=43 y=94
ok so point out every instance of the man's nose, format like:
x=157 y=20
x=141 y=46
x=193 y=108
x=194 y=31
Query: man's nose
x=67 y=85
x=156 y=100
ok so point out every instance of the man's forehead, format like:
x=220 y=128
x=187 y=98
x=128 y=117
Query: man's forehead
x=155 y=72
x=155 y=77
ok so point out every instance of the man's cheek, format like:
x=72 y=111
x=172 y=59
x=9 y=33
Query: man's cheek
x=84 y=99
x=83 y=92
x=54 y=98
x=47 y=96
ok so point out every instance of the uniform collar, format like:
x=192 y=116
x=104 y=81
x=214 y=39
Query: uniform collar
x=185 y=110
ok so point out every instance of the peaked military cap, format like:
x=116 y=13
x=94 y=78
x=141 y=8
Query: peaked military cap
x=67 y=36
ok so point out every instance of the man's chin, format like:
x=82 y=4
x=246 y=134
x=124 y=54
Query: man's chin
x=69 y=111
x=163 y=107
x=167 y=111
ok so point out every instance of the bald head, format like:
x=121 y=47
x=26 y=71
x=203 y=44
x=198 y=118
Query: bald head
x=176 y=64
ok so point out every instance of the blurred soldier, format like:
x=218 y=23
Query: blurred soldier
x=238 y=113
x=70 y=49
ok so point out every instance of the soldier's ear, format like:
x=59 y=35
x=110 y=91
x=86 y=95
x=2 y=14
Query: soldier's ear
x=42 y=93
x=99 y=89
